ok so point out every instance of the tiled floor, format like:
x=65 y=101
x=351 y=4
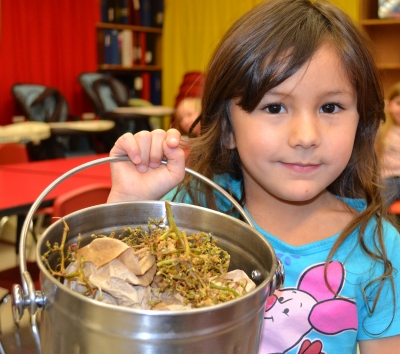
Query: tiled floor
x=13 y=341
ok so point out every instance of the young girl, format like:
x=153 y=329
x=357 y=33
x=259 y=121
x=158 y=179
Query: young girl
x=390 y=146
x=291 y=106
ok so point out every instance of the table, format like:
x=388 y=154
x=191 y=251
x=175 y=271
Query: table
x=57 y=167
x=21 y=184
x=80 y=127
x=148 y=111
x=24 y=132
x=140 y=115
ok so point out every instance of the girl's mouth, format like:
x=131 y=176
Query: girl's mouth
x=299 y=167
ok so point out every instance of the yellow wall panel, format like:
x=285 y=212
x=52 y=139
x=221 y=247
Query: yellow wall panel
x=192 y=29
x=348 y=6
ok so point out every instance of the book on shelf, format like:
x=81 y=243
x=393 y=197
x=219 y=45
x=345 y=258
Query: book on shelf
x=134 y=13
x=135 y=52
x=142 y=48
x=146 y=86
x=137 y=86
x=104 y=10
x=111 y=6
x=111 y=47
x=150 y=58
x=115 y=11
x=158 y=13
x=146 y=16
x=107 y=46
x=148 y=13
x=123 y=12
x=136 y=48
x=127 y=50
x=155 y=88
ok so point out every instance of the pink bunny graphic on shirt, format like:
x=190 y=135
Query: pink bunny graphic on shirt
x=309 y=306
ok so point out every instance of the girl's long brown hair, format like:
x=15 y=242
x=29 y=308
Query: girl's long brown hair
x=264 y=48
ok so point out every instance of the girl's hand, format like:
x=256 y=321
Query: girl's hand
x=144 y=177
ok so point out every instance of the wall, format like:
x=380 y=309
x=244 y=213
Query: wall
x=350 y=7
x=47 y=42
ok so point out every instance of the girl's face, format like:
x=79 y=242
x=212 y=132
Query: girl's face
x=300 y=136
x=393 y=107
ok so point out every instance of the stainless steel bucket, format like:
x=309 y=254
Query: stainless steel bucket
x=71 y=323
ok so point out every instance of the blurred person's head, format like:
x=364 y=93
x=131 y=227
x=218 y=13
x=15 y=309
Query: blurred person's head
x=187 y=111
x=188 y=103
x=392 y=104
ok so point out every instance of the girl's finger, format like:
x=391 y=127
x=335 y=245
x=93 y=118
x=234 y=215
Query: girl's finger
x=156 y=153
x=143 y=139
x=175 y=156
x=126 y=145
x=173 y=138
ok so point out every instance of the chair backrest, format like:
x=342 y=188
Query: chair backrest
x=86 y=81
x=41 y=103
x=104 y=92
x=13 y=153
x=80 y=198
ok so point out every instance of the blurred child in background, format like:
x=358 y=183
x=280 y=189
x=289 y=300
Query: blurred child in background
x=390 y=146
x=188 y=104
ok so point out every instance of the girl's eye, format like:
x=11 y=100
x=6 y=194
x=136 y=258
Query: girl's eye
x=330 y=108
x=274 y=108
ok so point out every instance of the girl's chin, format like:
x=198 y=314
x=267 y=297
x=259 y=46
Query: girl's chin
x=299 y=198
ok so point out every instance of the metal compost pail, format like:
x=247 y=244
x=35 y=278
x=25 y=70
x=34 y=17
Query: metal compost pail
x=71 y=323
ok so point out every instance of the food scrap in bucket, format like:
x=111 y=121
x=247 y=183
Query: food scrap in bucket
x=161 y=268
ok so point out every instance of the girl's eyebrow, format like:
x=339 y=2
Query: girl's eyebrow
x=275 y=92
x=339 y=92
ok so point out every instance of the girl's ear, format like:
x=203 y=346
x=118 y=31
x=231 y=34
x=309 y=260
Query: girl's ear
x=227 y=126
x=230 y=141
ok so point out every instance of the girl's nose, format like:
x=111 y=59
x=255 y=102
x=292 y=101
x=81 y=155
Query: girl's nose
x=304 y=130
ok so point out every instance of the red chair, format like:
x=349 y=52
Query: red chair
x=80 y=198
x=12 y=276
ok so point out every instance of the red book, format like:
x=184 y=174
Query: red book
x=134 y=12
x=146 y=86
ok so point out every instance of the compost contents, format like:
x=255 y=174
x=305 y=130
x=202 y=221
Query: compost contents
x=161 y=268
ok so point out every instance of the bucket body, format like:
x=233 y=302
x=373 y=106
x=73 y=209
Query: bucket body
x=71 y=323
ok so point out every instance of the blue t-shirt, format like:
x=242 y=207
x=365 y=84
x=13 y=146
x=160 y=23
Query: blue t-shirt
x=305 y=316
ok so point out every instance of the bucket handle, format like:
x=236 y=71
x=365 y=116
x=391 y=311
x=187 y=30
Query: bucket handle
x=27 y=297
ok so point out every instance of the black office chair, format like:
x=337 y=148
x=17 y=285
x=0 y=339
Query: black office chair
x=47 y=104
x=106 y=93
x=41 y=103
